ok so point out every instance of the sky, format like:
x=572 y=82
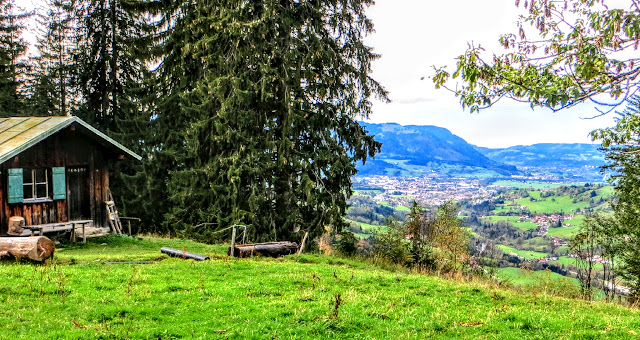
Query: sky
x=412 y=36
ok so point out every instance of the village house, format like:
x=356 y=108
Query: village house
x=55 y=171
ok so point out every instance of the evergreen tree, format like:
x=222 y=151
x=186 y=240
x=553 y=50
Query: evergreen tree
x=622 y=150
x=162 y=122
x=12 y=67
x=273 y=139
x=50 y=90
x=112 y=43
x=107 y=62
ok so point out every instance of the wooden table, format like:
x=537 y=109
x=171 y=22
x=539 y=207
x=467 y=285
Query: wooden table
x=61 y=226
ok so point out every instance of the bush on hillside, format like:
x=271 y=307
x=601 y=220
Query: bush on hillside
x=431 y=240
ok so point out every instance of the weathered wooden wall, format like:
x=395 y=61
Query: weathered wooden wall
x=67 y=148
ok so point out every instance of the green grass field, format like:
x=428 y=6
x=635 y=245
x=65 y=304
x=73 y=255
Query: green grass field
x=571 y=261
x=79 y=296
x=524 y=277
x=552 y=204
x=563 y=232
x=527 y=254
x=368 y=229
x=528 y=185
x=524 y=225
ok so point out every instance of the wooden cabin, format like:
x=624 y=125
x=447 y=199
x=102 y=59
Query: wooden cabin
x=55 y=170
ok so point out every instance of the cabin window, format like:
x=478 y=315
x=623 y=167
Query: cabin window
x=35 y=183
x=40 y=184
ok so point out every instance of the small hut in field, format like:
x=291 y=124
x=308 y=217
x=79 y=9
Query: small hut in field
x=54 y=171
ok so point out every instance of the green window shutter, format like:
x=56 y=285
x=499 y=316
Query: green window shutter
x=16 y=189
x=59 y=183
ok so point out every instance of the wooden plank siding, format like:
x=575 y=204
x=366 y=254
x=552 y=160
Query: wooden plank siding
x=67 y=148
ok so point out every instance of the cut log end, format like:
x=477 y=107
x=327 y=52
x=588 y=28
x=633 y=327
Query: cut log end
x=37 y=248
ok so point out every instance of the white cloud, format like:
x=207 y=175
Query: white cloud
x=414 y=35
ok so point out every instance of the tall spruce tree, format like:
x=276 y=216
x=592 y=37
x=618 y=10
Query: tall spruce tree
x=164 y=115
x=113 y=45
x=51 y=92
x=273 y=139
x=12 y=67
x=107 y=64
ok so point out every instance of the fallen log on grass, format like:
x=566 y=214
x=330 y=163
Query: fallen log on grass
x=272 y=249
x=183 y=254
x=35 y=248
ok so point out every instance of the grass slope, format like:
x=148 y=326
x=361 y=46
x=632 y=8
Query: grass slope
x=527 y=254
x=80 y=297
x=523 y=277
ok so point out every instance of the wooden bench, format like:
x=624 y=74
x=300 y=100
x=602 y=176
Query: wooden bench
x=60 y=226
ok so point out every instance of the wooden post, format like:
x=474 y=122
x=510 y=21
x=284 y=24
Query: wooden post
x=84 y=236
x=304 y=239
x=73 y=232
x=129 y=226
x=233 y=240
x=244 y=235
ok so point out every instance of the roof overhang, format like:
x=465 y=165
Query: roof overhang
x=17 y=134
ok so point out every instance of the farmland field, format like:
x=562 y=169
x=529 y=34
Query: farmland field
x=528 y=184
x=551 y=205
x=524 y=277
x=527 y=254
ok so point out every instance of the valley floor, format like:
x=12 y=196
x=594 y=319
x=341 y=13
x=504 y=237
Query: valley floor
x=80 y=296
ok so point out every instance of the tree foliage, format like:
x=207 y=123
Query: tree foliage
x=622 y=150
x=244 y=112
x=272 y=139
x=12 y=67
x=426 y=240
x=564 y=53
x=50 y=89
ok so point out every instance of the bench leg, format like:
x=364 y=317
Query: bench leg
x=84 y=236
x=73 y=232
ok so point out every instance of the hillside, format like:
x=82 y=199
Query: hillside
x=548 y=155
x=404 y=147
x=81 y=296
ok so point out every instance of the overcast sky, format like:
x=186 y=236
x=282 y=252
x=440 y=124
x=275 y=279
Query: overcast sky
x=414 y=35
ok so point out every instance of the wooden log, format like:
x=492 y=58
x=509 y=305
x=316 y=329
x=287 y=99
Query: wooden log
x=38 y=248
x=183 y=254
x=272 y=249
x=16 y=225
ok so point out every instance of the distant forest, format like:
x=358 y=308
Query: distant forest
x=244 y=112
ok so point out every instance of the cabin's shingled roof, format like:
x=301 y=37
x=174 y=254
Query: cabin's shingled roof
x=18 y=134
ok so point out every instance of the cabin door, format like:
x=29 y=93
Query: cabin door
x=78 y=193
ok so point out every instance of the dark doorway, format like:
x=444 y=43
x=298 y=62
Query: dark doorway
x=78 y=194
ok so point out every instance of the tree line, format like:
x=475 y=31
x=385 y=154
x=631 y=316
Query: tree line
x=244 y=112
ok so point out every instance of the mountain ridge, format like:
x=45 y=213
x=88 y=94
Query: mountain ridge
x=432 y=148
x=425 y=145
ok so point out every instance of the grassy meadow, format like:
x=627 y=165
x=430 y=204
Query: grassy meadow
x=80 y=296
x=527 y=254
